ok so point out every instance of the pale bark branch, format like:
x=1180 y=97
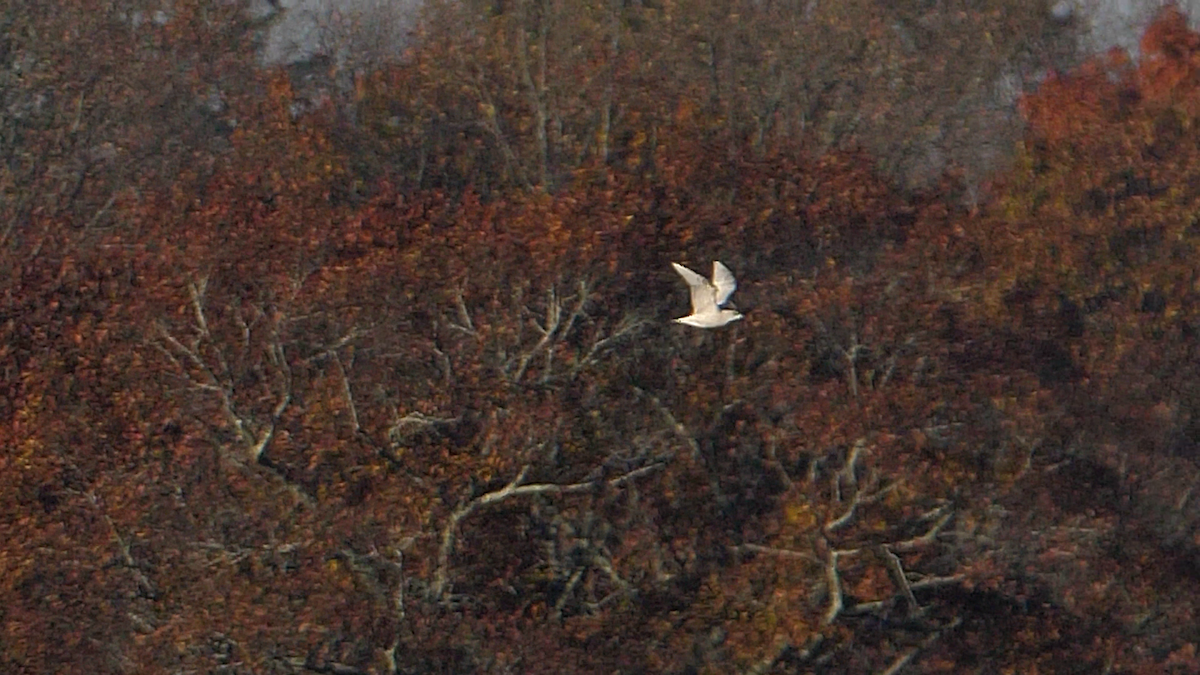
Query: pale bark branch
x=777 y=466
x=513 y=489
x=285 y=398
x=553 y=317
x=122 y=547
x=566 y=592
x=876 y=606
x=675 y=425
x=764 y=665
x=448 y=532
x=331 y=350
x=628 y=325
x=310 y=664
x=606 y=566
x=536 y=87
x=851 y=355
x=464 y=324
x=100 y=212
x=779 y=552
x=553 y=330
x=420 y=421
x=491 y=124
x=255 y=437
x=349 y=394
x=861 y=498
x=899 y=580
x=213 y=384
x=930 y=535
x=909 y=654
x=847 y=517
x=833 y=584
x=887 y=374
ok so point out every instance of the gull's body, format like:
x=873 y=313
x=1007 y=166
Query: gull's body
x=708 y=296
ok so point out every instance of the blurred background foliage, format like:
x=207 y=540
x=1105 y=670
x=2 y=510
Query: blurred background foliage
x=364 y=363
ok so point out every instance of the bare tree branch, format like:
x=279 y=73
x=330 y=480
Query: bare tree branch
x=255 y=436
x=285 y=398
x=776 y=465
x=420 y=421
x=909 y=654
x=930 y=535
x=929 y=583
x=851 y=355
x=764 y=665
x=448 y=532
x=310 y=664
x=678 y=428
x=553 y=317
x=833 y=584
x=464 y=324
x=861 y=497
x=513 y=489
x=769 y=550
x=899 y=580
x=566 y=592
x=122 y=547
x=552 y=330
x=349 y=394
x=628 y=325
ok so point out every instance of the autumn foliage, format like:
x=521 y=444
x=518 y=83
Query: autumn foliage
x=397 y=391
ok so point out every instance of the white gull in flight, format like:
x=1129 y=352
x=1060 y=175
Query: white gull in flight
x=708 y=296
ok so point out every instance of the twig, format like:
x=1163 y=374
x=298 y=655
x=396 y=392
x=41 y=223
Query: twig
x=122 y=546
x=221 y=381
x=629 y=324
x=899 y=580
x=849 y=472
x=264 y=439
x=764 y=665
x=851 y=356
x=553 y=331
x=349 y=395
x=606 y=566
x=327 y=668
x=214 y=383
x=909 y=654
x=444 y=362
x=582 y=298
x=678 y=428
x=421 y=420
x=779 y=552
x=553 y=316
x=833 y=582
x=925 y=539
x=566 y=592
x=847 y=517
x=774 y=463
x=332 y=349
x=464 y=317
x=887 y=374
x=100 y=212
x=930 y=583
x=859 y=500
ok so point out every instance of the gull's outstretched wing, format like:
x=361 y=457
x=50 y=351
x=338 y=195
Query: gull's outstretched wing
x=703 y=294
x=723 y=282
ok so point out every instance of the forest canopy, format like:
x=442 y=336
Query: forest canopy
x=381 y=377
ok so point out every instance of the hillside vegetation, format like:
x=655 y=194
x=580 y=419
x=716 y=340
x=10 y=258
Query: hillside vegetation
x=390 y=385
